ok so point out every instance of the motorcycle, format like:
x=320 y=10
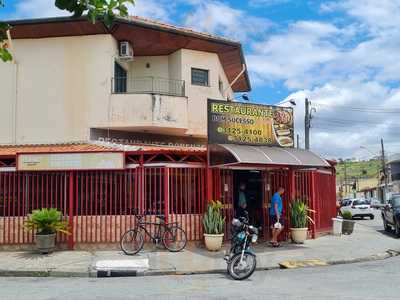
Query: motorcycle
x=241 y=261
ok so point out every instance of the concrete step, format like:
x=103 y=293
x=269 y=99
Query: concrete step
x=121 y=267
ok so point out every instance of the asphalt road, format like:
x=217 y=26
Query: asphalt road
x=372 y=280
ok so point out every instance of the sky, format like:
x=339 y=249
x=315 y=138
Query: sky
x=344 y=56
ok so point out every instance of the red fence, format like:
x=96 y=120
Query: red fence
x=101 y=205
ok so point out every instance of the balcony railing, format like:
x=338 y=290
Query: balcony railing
x=148 y=85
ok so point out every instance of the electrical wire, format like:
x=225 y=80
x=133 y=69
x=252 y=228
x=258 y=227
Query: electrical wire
x=365 y=109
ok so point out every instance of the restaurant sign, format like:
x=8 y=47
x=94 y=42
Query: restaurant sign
x=249 y=124
x=70 y=161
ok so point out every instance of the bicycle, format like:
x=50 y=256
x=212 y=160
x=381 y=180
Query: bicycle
x=171 y=235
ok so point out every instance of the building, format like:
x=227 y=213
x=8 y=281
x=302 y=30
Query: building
x=393 y=167
x=105 y=123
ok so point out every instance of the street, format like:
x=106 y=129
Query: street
x=372 y=280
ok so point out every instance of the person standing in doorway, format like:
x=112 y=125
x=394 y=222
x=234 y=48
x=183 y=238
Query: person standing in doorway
x=242 y=201
x=275 y=213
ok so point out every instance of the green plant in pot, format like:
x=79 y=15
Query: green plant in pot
x=213 y=223
x=299 y=219
x=46 y=222
x=348 y=223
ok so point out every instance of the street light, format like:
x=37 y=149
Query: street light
x=291 y=101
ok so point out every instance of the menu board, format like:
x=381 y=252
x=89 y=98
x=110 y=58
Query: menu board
x=249 y=124
x=70 y=161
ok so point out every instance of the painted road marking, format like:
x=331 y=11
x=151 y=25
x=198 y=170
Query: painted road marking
x=293 y=264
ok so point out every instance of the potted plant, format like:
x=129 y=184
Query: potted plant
x=299 y=220
x=213 y=223
x=46 y=222
x=348 y=223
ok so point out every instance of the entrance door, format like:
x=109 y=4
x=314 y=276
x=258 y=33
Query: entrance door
x=253 y=183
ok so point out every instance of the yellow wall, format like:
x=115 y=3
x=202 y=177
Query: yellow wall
x=58 y=80
x=61 y=87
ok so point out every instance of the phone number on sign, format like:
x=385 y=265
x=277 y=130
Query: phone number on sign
x=250 y=139
x=239 y=131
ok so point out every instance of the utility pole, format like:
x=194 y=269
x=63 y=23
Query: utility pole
x=307 y=124
x=345 y=177
x=297 y=137
x=384 y=171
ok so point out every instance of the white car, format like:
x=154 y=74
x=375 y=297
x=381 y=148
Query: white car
x=358 y=208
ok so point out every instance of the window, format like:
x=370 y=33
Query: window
x=200 y=77
x=120 y=79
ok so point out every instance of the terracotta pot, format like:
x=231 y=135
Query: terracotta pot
x=45 y=243
x=299 y=235
x=347 y=226
x=213 y=241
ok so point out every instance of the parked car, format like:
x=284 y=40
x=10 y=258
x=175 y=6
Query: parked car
x=375 y=203
x=358 y=208
x=391 y=215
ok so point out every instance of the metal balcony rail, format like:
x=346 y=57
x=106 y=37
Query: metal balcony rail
x=148 y=85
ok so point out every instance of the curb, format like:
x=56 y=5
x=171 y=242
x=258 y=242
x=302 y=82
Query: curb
x=135 y=273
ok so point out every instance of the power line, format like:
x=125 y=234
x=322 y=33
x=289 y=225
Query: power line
x=319 y=117
x=361 y=109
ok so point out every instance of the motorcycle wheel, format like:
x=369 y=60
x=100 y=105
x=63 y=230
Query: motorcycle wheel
x=241 y=271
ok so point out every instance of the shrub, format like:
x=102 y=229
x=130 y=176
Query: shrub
x=213 y=221
x=299 y=214
x=46 y=221
x=347 y=215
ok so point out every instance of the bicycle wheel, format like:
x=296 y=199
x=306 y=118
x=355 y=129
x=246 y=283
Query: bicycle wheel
x=174 y=238
x=132 y=242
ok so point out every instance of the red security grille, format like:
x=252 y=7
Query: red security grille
x=21 y=193
x=101 y=205
x=187 y=199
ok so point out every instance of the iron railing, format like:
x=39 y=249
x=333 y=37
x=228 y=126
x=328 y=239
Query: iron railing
x=148 y=85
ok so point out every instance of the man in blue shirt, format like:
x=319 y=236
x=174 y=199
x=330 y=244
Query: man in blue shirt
x=275 y=213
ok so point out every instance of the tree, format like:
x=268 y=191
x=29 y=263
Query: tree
x=105 y=10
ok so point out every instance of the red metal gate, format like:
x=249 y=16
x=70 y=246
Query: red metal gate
x=20 y=193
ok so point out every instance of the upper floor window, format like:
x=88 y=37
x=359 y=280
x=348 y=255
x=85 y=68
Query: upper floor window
x=120 y=78
x=200 y=77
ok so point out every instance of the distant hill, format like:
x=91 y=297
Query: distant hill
x=358 y=169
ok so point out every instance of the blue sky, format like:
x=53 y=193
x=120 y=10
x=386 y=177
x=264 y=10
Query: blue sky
x=343 y=55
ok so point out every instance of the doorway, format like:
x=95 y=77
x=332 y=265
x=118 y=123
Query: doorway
x=254 y=182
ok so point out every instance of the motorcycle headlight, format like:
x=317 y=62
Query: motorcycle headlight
x=253 y=229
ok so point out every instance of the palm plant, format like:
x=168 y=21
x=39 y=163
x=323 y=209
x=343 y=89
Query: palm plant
x=213 y=221
x=299 y=214
x=46 y=221
x=347 y=215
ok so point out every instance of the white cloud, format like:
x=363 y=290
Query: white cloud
x=350 y=114
x=158 y=10
x=374 y=14
x=218 y=18
x=294 y=55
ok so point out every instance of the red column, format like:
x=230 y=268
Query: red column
x=292 y=185
x=71 y=211
x=209 y=185
x=166 y=193
x=313 y=203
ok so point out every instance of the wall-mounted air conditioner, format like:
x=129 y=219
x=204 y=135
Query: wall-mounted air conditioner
x=125 y=50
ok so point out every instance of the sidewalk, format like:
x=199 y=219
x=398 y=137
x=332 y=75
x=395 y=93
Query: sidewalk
x=366 y=243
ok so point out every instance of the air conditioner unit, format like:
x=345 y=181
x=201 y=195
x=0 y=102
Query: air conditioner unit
x=125 y=50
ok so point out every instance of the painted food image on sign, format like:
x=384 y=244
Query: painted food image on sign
x=250 y=124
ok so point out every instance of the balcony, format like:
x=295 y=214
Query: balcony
x=148 y=85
